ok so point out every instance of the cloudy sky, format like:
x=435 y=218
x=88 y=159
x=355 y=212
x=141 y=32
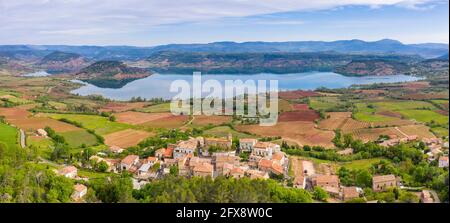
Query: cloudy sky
x=154 y=22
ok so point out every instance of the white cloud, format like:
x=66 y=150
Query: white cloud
x=88 y=17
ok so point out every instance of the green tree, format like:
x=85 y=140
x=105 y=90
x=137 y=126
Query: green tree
x=320 y=194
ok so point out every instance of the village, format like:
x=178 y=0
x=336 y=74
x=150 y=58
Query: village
x=213 y=157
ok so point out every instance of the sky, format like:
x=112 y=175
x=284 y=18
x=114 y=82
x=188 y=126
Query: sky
x=157 y=22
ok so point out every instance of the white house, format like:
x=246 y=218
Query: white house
x=184 y=148
x=116 y=149
x=246 y=145
x=128 y=162
x=443 y=161
x=68 y=171
x=265 y=149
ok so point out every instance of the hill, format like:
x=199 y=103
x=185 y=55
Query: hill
x=377 y=67
x=231 y=63
x=111 y=70
x=385 y=46
x=62 y=62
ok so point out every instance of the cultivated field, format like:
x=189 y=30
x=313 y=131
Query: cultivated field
x=126 y=138
x=23 y=119
x=335 y=120
x=121 y=107
x=9 y=137
x=169 y=122
x=223 y=131
x=297 y=94
x=303 y=115
x=164 y=107
x=203 y=120
x=100 y=124
x=136 y=118
x=299 y=107
x=303 y=133
x=421 y=131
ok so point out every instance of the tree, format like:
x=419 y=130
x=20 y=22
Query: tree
x=363 y=179
x=320 y=194
x=408 y=197
x=174 y=170
x=102 y=166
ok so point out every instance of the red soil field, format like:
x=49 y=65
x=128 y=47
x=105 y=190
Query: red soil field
x=305 y=115
x=203 y=120
x=126 y=138
x=136 y=118
x=23 y=119
x=302 y=133
x=299 y=107
x=168 y=122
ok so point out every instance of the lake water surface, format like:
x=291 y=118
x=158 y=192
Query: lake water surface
x=158 y=85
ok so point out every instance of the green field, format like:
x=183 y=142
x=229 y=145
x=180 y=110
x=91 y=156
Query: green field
x=16 y=100
x=367 y=114
x=402 y=105
x=323 y=103
x=57 y=105
x=329 y=103
x=425 y=116
x=222 y=131
x=43 y=146
x=77 y=138
x=418 y=110
x=439 y=131
x=9 y=136
x=159 y=108
x=100 y=124
x=364 y=164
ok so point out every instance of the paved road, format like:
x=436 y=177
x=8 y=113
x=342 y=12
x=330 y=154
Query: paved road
x=22 y=138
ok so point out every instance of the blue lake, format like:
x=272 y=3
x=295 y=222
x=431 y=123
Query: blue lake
x=158 y=85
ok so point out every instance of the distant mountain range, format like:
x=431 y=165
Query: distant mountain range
x=385 y=46
x=231 y=63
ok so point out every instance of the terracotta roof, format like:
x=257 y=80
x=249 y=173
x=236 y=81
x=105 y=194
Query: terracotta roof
x=170 y=161
x=278 y=156
x=152 y=159
x=443 y=158
x=194 y=161
x=248 y=140
x=236 y=170
x=350 y=192
x=331 y=190
x=67 y=169
x=327 y=179
x=112 y=161
x=168 y=152
x=115 y=148
x=129 y=159
x=277 y=168
x=265 y=163
x=79 y=187
x=160 y=151
x=190 y=144
x=264 y=145
x=204 y=167
x=383 y=178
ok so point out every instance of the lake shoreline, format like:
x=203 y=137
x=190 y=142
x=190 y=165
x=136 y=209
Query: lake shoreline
x=158 y=85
